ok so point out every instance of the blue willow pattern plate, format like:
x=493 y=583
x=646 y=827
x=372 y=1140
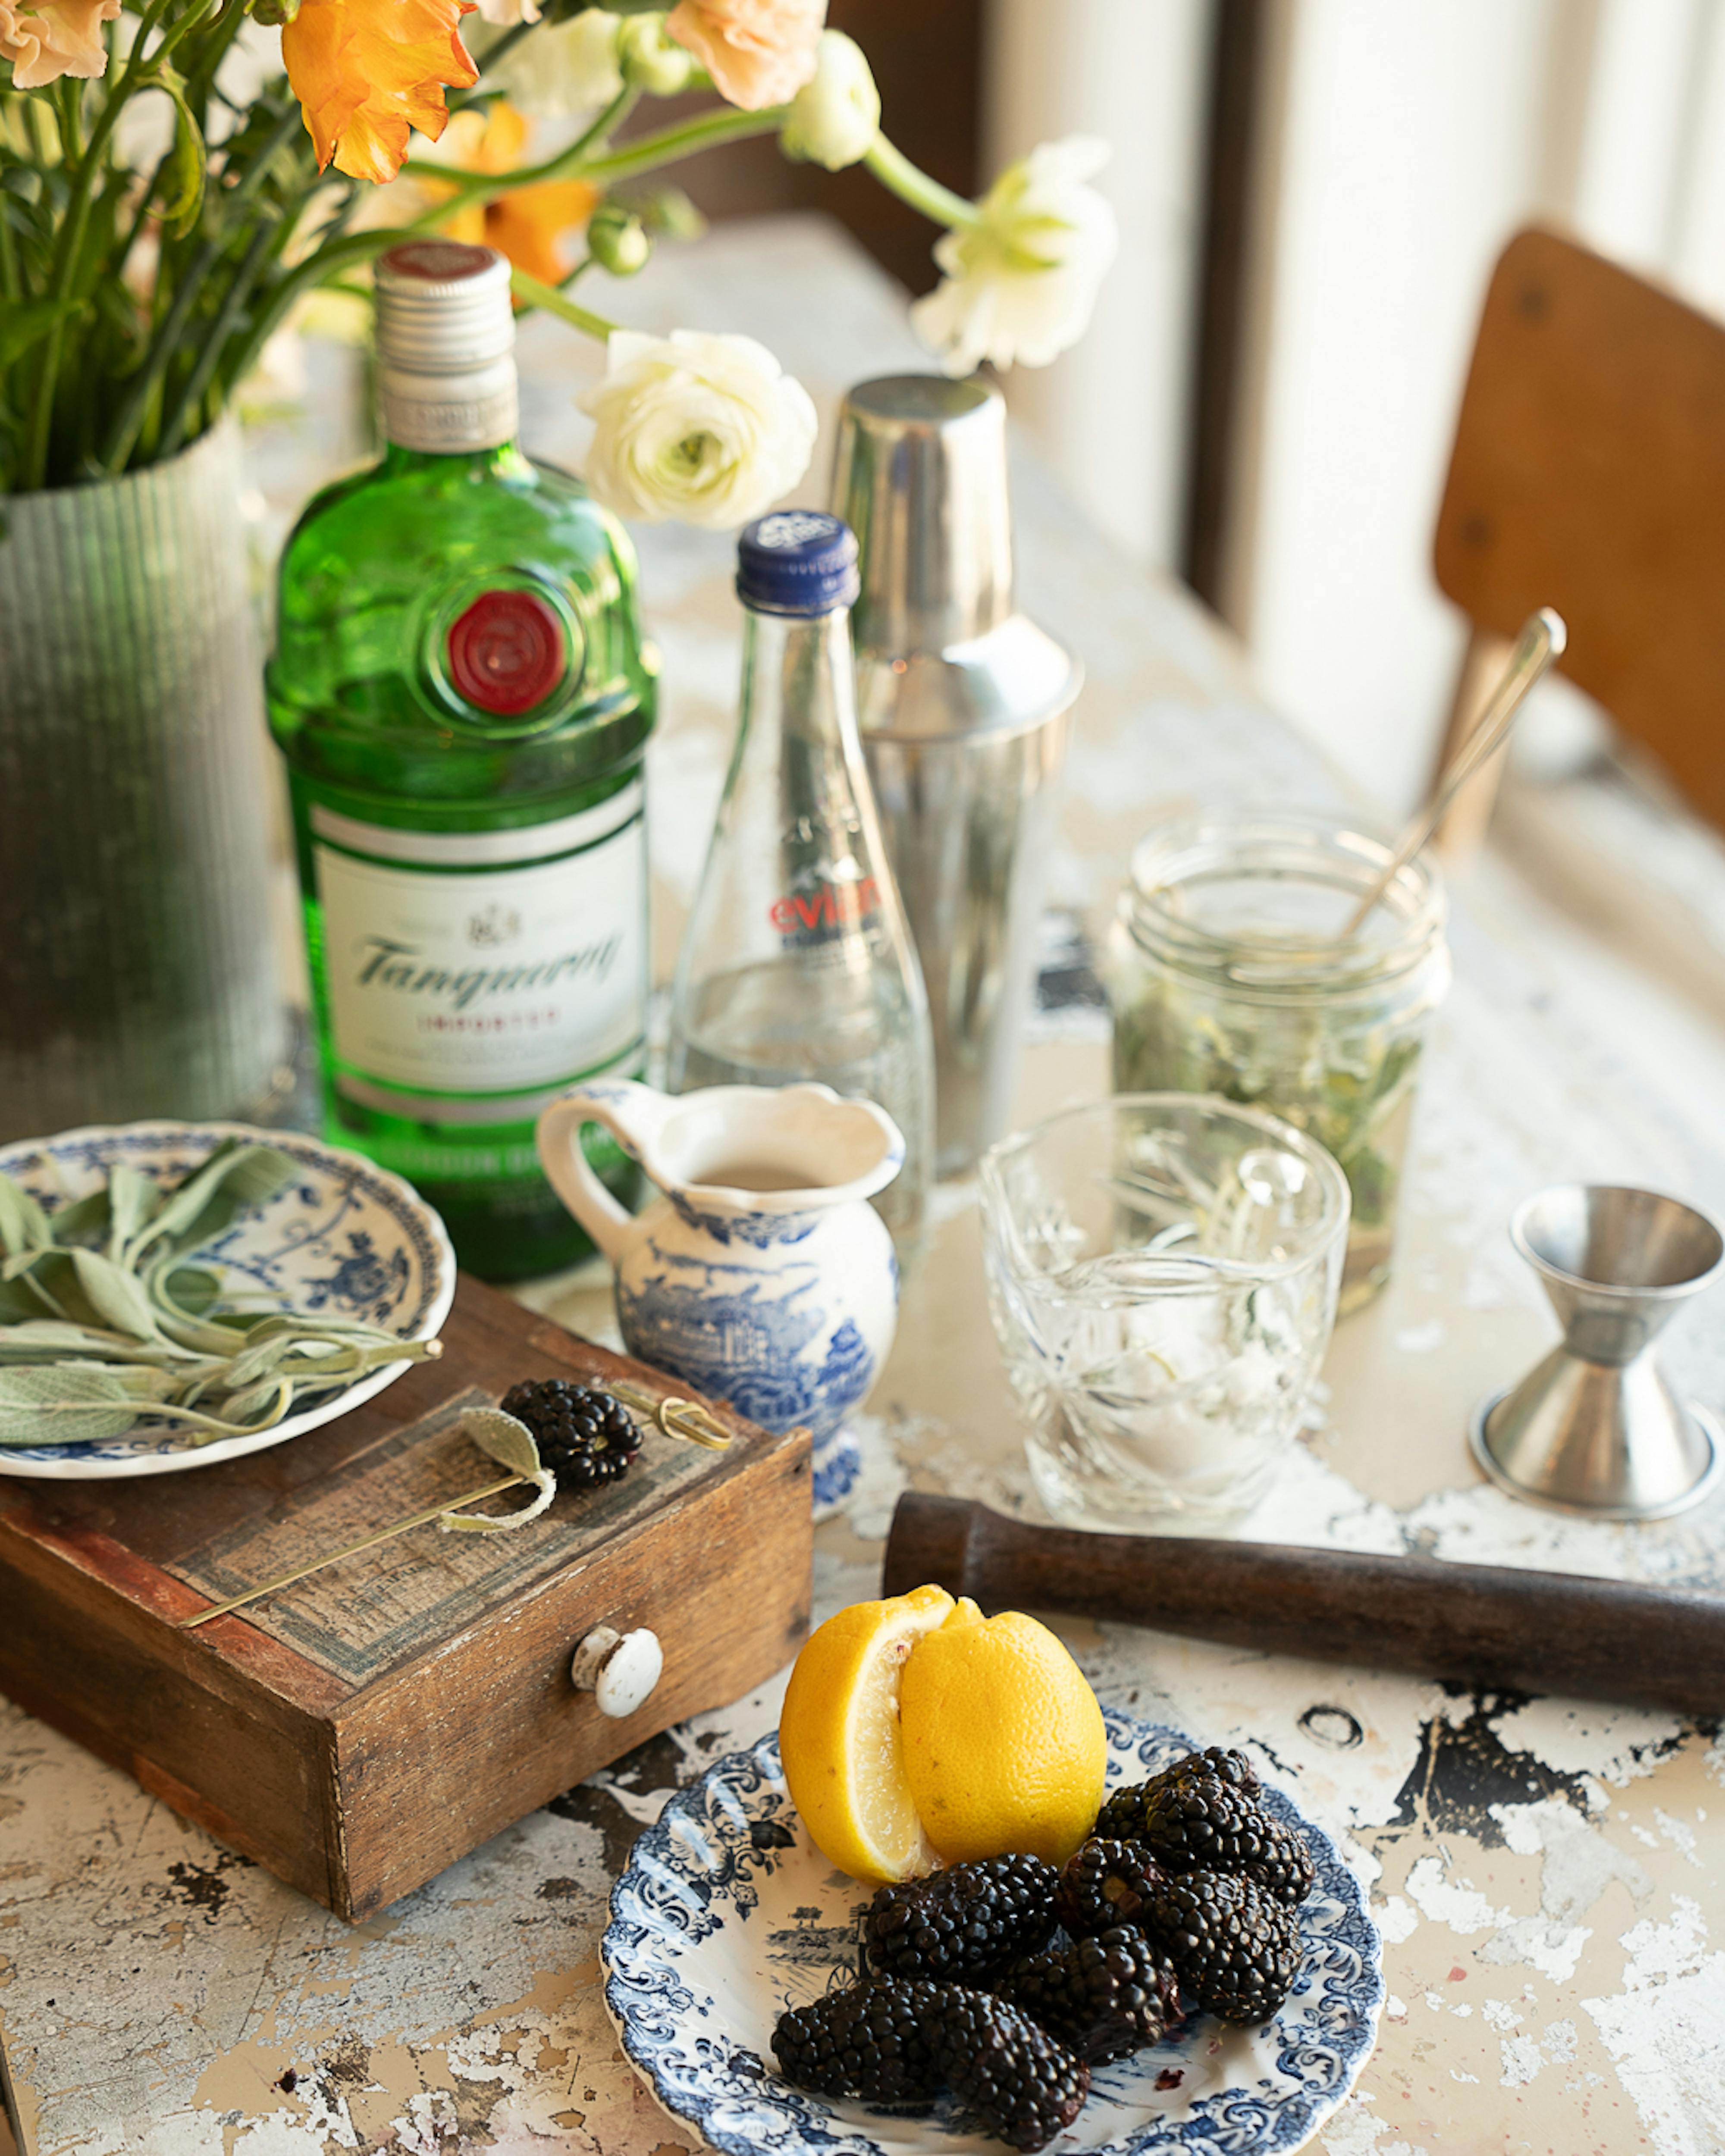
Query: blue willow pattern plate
x=726 y=1914
x=344 y=1237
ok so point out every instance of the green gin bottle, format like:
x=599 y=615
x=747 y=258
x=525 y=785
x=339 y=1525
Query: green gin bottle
x=462 y=696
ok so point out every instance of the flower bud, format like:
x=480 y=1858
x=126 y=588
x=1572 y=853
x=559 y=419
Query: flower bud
x=836 y=115
x=617 y=239
x=648 y=59
x=274 y=14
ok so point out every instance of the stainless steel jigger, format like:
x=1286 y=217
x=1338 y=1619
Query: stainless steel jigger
x=962 y=703
x=1595 y=1429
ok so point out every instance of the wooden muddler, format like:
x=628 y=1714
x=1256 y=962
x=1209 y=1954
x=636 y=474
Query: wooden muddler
x=1486 y=1625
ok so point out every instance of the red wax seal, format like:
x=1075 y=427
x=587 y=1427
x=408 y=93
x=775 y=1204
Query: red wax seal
x=507 y=652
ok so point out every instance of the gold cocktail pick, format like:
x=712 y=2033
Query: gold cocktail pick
x=674 y=1415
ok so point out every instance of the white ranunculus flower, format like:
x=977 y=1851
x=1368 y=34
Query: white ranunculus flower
x=708 y=429
x=1021 y=284
x=563 y=68
x=505 y=14
x=836 y=115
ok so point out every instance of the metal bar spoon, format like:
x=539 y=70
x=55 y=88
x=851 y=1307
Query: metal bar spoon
x=1539 y=647
x=675 y=1416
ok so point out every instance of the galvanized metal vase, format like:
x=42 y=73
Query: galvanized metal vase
x=137 y=972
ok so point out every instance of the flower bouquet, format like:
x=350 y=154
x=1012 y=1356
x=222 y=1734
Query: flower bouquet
x=177 y=176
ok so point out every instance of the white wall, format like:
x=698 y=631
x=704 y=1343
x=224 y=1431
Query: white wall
x=1113 y=413
x=1405 y=158
x=1403 y=142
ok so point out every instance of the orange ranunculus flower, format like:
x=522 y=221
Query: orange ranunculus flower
x=368 y=72
x=757 y=52
x=526 y=224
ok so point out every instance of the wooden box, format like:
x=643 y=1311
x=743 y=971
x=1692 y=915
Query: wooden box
x=360 y=1731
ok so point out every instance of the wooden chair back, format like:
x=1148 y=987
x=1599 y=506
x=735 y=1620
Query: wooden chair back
x=1589 y=474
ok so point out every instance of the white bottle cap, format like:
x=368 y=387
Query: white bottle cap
x=445 y=346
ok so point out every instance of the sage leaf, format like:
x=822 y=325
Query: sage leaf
x=511 y=1444
x=237 y=1176
x=252 y=1407
x=23 y=1225
x=192 y=1289
x=19 y=1303
x=63 y=1404
x=90 y=1343
x=116 y=1295
x=133 y=1203
x=85 y=1216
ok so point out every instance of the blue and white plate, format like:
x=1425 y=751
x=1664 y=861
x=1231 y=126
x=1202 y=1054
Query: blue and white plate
x=727 y=1914
x=344 y=1237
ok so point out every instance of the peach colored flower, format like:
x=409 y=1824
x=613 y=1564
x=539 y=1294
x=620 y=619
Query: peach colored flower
x=54 y=38
x=757 y=52
x=368 y=72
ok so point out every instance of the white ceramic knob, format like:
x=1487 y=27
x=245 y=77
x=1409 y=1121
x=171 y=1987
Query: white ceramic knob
x=619 y=1669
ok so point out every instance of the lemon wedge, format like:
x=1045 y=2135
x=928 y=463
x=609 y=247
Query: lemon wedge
x=838 y=1736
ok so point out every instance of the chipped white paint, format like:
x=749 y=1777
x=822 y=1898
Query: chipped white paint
x=1451 y=1902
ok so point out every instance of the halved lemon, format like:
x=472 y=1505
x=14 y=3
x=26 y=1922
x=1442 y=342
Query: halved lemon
x=838 y=1736
x=1004 y=1744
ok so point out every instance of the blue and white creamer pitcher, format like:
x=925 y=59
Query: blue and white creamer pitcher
x=762 y=1275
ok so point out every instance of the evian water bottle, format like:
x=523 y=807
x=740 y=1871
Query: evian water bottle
x=796 y=962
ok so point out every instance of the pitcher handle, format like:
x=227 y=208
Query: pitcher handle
x=631 y=1113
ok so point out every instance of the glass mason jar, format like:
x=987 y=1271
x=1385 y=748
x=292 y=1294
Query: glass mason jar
x=1225 y=978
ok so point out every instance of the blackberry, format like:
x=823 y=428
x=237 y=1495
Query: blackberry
x=1104 y=1884
x=962 y=1925
x=1121 y=1818
x=1236 y=1950
x=869 y=2042
x=1206 y=1821
x=1103 y=1997
x=584 y=1436
x=1022 y=2084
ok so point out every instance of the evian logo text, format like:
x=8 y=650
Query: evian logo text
x=827 y=906
x=385 y=964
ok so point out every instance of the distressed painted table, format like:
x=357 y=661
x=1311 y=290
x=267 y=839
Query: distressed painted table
x=1548 y=1876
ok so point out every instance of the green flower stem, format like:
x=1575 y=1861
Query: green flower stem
x=39 y=431
x=705 y=131
x=547 y=297
x=130 y=419
x=900 y=177
x=10 y=286
x=239 y=290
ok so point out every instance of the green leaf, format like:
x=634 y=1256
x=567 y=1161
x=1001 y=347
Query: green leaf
x=63 y=1405
x=511 y=1444
x=134 y=1200
x=25 y=321
x=116 y=1295
x=253 y=1405
x=189 y=166
x=23 y=1225
x=19 y=1303
x=53 y=1275
x=85 y=1216
x=237 y=1175
x=193 y=1289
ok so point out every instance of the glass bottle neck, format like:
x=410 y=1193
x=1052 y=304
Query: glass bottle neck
x=469 y=413
x=398 y=459
x=799 y=675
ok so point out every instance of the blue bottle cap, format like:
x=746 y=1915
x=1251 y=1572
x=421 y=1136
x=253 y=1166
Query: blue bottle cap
x=796 y=561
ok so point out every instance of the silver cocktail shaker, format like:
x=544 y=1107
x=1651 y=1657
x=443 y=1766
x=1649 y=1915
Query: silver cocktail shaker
x=961 y=704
